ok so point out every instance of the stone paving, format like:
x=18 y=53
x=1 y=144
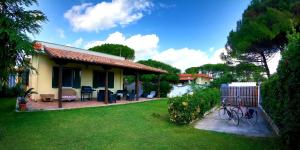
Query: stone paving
x=39 y=105
x=213 y=122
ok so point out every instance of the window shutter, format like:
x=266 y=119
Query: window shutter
x=111 y=80
x=101 y=77
x=76 y=78
x=94 y=79
x=98 y=79
x=55 y=77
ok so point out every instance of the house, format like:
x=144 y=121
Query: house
x=59 y=67
x=201 y=79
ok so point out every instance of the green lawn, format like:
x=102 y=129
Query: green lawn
x=133 y=126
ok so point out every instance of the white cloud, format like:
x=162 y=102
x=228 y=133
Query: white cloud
x=185 y=57
x=61 y=33
x=106 y=15
x=77 y=43
x=145 y=46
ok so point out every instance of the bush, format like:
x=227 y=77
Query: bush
x=271 y=103
x=281 y=97
x=12 y=91
x=185 y=109
x=165 y=88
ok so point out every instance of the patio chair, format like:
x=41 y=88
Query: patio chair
x=120 y=94
x=130 y=96
x=112 y=98
x=68 y=95
x=86 y=90
x=152 y=94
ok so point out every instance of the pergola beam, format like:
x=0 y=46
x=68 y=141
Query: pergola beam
x=158 y=86
x=137 y=92
x=106 y=87
x=60 y=72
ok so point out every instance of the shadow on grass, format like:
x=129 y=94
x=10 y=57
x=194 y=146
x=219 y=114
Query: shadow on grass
x=164 y=118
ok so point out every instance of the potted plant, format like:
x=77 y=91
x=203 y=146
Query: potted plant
x=22 y=100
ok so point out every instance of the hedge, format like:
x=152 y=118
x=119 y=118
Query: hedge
x=281 y=97
x=187 y=108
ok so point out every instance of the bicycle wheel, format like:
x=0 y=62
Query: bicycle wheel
x=252 y=116
x=222 y=113
x=239 y=111
x=234 y=117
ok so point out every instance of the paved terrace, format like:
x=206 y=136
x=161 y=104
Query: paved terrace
x=39 y=105
x=213 y=122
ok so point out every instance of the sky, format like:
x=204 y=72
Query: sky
x=181 y=33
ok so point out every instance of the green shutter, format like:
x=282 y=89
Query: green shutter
x=76 y=78
x=95 y=79
x=55 y=77
x=99 y=79
x=111 y=80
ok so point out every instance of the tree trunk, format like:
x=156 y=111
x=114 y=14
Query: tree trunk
x=265 y=64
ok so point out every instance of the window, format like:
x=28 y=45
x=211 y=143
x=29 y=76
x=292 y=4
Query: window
x=70 y=77
x=99 y=79
x=67 y=78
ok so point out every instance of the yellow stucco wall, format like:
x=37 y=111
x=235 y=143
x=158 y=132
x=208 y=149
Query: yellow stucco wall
x=202 y=80
x=42 y=80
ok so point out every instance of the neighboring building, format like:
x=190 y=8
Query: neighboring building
x=79 y=67
x=201 y=79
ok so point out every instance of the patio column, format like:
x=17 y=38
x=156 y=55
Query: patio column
x=60 y=72
x=106 y=87
x=137 y=76
x=158 y=86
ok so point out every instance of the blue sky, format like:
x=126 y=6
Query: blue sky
x=180 y=33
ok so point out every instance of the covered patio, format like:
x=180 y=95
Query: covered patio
x=43 y=106
x=84 y=67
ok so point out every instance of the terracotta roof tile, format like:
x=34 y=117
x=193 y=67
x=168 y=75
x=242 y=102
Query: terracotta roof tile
x=192 y=76
x=85 y=57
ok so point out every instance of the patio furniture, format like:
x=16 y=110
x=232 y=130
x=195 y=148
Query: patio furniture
x=68 y=95
x=86 y=90
x=152 y=94
x=47 y=97
x=130 y=96
x=121 y=94
x=112 y=98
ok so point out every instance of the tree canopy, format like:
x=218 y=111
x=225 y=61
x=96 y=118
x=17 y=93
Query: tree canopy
x=15 y=23
x=262 y=31
x=161 y=65
x=213 y=69
x=166 y=79
x=224 y=73
x=115 y=49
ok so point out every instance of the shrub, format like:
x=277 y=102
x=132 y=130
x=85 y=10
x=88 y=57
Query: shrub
x=12 y=91
x=165 y=88
x=185 y=109
x=271 y=103
x=289 y=78
x=281 y=97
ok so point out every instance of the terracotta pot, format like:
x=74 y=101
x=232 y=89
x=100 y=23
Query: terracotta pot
x=22 y=107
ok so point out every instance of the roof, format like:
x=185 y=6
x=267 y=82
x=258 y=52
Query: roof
x=81 y=55
x=193 y=76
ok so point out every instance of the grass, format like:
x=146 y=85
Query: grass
x=133 y=126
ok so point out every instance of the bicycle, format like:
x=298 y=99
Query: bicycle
x=228 y=113
x=251 y=115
